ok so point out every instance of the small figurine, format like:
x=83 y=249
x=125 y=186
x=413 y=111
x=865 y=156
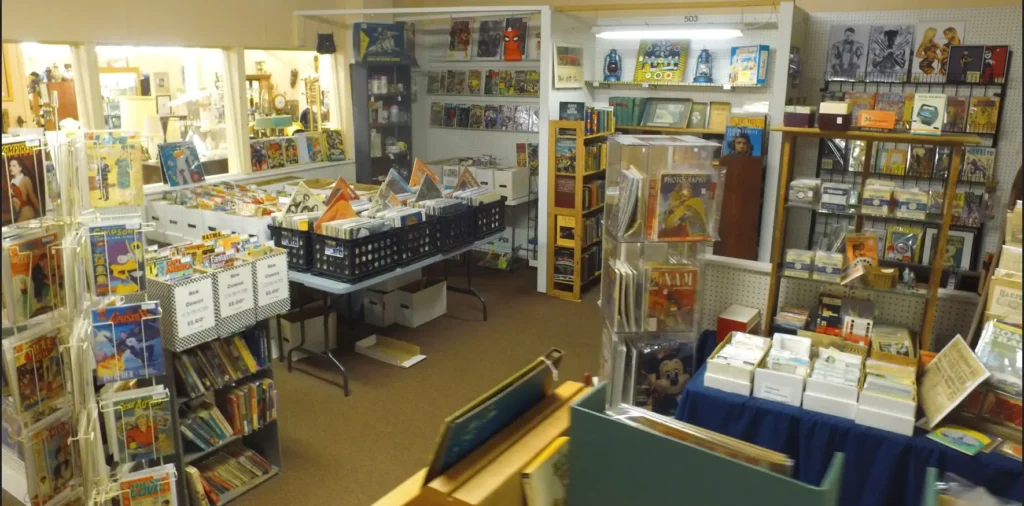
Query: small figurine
x=612 y=66
x=702 y=73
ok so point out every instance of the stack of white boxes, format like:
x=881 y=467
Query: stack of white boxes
x=736 y=376
x=784 y=383
x=380 y=301
x=407 y=299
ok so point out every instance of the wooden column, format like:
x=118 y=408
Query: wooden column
x=938 y=261
x=779 y=236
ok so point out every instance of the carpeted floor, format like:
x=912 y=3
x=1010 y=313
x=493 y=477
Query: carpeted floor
x=350 y=451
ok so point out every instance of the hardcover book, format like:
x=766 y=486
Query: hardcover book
x=181 y=165
x=23 y=184
x=684 y=201
x=671 y=297
x=33 y=275
x=571 y=111
x=117 y=259
x=126 y=342
x=115 y=175
x=565 y=156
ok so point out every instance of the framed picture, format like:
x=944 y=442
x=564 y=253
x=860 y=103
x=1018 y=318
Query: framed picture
x=568 y=66
x=161 y=83
x=959 y=248
x=163 y=105
x=667 y=113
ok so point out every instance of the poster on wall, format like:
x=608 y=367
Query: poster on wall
x=380 y=42
x=514 y=38
x=568 y=66
x=661 y=61
x=460 y=37
x=847 y=52
x=489 y=39
x=932 y=41
x=889 y=53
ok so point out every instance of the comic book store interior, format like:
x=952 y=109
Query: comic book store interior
x=352 y=253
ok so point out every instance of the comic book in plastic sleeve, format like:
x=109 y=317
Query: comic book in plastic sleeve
x=672 y=297
x=36 y=368
x=687 y=206
x=33 y=275
x=126 y=342
x=50 y=464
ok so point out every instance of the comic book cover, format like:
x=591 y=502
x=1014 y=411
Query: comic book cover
x=943 y=158
x=534 y=119
x=476 y=116
x=149 y=487
x=982 y=115
x=565 y=156
x=489 y=39
x=436 y=114
x=522 y=122
x=180 y=162
x=434 y=82
x=33 y=275
x=108 y=137
x=519 y=89
x=861 y=100
x=460 y=85
x=459 y=39
x=922 y=161
x=449 y=82
x=514 y=38
x=506 y=82
x=51 y=457
x=449 y=116
x=36 y=368
x=965 y=64
x=847 y=52
x=315 y=146
x=118 y=262
x=462 y=116
x=892 y=158
x=521 y=155
x=291 y=151
x=908 y=110
x=671 y=297
x=532 y=88
x=744 y=136
x=684 y=201
x=932 y=42
x=126 y=342
x=956 y=115
x=115 y=175
x=474 y=82
x=889 y=52
x=891 y=102
x=979 y=164
x=335 y=145
x=533 y=155
x=258 y=154
x=491 y=81
x=381 y=42
x=492 y=117
x=275 y=153
x=508 y=117
x=993 y=70
x=142 y=427
x=23 y=185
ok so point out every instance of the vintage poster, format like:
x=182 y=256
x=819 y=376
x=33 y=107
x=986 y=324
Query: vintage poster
x=932 y=43
x=380 y=42
x=889 y=52
x=115 y=175
x=568 y=66
x=661 y=61
x=847 y=52
x=460 y=38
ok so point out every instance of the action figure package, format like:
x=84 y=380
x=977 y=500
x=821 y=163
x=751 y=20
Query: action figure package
x=664 y=367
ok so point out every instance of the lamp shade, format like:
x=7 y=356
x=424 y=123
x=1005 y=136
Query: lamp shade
x=135 y=110
x=153 y=128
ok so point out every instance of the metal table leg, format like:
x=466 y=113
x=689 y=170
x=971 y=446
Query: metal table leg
x=326 y=353
x=469 y=283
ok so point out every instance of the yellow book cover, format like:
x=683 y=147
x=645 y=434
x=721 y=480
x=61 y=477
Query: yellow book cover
x=115 y=175
x=566 y=231
x=546 y=477
x=717 y=118
x=246 y=354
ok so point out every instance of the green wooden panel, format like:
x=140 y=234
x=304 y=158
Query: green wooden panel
x=930 y=494
x=616 y=464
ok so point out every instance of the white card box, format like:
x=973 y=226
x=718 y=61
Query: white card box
x=842 y=393
x=513 y=182
x=778 y=386
x=829 y=405
x=380 y=308
x=484 y=176
x=884 y=420
x=421 y=301
x=175 y=220
x=727 y=384
x=155 y=214
x=735 y=372
x=188 y=311
x=270 y=284
x=214 y=221
x=898 y=407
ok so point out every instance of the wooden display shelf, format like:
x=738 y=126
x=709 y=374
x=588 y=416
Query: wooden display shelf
x=634 y=84
x=944 y=219
x=671 y=130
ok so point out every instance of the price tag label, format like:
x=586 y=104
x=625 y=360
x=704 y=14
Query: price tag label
x=271 y=280
x=235 y=290
x=194 y=311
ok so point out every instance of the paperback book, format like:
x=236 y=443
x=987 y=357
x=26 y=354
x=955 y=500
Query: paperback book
x=118 y=262
x=127 y=342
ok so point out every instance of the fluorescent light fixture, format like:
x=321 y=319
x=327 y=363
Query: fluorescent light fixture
x=662 y=32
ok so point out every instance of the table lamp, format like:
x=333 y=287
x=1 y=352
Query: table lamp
x=153 y=132
x=134 y=111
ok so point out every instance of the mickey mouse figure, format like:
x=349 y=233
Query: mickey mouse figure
x=668 y=379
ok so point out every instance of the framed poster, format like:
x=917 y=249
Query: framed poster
x=959 y=248
x=161 y=83
x=568 y=66
x=163 y=105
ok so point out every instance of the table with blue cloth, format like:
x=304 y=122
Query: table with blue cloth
x=881 y=467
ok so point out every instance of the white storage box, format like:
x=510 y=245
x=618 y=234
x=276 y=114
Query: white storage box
x=380 y=308
x=880 y=402
x=829 y=405
x=194 y=227
x=727 y=384
x=484 y=176
x=842 y=393
x=884 y=420
x=291 y=333
x=398 y=281
x=732 y=371
x=512 y=182
x=778 y=386
x=421 y=301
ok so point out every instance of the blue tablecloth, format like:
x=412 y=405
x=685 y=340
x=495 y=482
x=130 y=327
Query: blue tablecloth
x=881 y=467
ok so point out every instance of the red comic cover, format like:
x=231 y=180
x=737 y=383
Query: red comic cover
x=22 y=187
x=672 y=297
x=993 y=69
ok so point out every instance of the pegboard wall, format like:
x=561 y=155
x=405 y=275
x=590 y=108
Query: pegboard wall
x=729 y=281
x=994 y=25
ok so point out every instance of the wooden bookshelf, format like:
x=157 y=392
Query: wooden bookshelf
x=943 y=219
x=576 y=214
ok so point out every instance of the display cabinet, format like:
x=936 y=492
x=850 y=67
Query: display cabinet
x=382 y=113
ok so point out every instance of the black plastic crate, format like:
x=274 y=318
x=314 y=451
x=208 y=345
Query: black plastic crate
x=456 y=230
x=353 y=260
x=417 y=241
x=297 y=243
x=489 y=218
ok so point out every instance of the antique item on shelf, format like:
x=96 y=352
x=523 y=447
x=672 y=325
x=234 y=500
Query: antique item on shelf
x=612 y=66
x=702 y=72
x=568 y=66
x=660 y=61
x=799 y=116
x=835 y=115
x=748 y=65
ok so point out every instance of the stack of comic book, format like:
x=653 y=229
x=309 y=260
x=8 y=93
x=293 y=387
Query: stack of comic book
x=216 y=364
x=224 y=472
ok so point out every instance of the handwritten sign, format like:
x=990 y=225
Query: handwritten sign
x=235 y=290
x=271 y=280
x=194 y=307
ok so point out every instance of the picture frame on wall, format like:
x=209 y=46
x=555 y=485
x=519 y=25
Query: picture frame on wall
x=667 y=113
x=568 y=66
x=959 y=248
x=161 y=83
x=163 y=105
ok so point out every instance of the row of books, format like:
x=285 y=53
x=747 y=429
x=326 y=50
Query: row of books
x=218 y=363
x=513 y=118
x=250 y=406
x=593 y=194
x=595 y=157
x=520 y=83
x=977 y=114
x=205 y=426
x=565 y=270
x=224 y=472
x=596 y=119
x=593 y=228
x=911 y=160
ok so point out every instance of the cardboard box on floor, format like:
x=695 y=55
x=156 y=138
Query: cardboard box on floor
x=490 y=476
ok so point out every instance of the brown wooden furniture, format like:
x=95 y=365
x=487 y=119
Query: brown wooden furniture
x=739 y=223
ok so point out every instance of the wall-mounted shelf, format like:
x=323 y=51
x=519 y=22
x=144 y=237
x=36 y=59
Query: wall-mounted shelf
x=632 y=84
x=671 y=130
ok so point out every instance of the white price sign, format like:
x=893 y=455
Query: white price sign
x=194 y=311
x=271 y=280
x=235 y=290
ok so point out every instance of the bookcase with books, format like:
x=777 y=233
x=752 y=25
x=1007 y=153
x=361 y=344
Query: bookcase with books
x=662 y=208
x=576 y=192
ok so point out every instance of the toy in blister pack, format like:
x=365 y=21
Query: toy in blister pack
x=664 y=369
x=903 y=243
